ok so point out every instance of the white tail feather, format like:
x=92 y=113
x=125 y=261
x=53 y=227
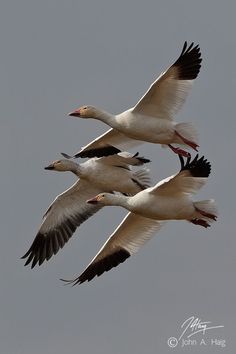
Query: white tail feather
x=188 y=131
x=143 y=176
x=208 y=206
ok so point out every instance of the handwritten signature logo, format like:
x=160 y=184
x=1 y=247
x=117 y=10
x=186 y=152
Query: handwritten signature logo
x=191 y=327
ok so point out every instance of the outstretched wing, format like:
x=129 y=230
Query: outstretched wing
x=168 y=93
x=163 y=99
x=192 y=176
x=68 y=211
x=124 y=159
x=126 y=240
x=109 y=143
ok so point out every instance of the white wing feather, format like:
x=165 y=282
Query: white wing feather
x=111 y=138
x=181 y=183
x=133 y=232
x=65 y=214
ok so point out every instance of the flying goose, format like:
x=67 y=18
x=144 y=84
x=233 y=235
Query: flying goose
x=169 y=199
x=151 y=119
x=69 y=209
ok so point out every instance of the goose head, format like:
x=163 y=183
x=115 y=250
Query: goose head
x=85 y=112
x=62 y=165
x=112 y=198
x=103 y=199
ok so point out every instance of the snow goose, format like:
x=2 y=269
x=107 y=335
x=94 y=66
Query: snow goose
x=151 y=119
x=69 y=209
x=169 y=199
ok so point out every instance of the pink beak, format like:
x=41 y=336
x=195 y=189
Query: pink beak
x=75 y=113
x=92 y=200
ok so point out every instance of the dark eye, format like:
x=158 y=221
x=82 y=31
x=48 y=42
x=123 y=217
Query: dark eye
x=85 y=107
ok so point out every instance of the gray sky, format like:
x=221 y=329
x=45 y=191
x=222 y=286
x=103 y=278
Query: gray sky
x=56 y=56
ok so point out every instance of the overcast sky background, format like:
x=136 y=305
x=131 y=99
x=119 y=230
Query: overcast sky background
x=56 y=56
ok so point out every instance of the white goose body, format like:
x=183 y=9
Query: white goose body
x=161 y=207
x=106 y=177
x=144 y=128
x=69 y=209
x=152 y=118
x=169 y=199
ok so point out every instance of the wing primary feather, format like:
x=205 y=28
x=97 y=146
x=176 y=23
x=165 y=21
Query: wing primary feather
x=42 y=254
x=66 y=155
x=55 y=243
x=181 y=162
x=140 y=185
x=31 y=256
x=198 y=167
x=60 y=238
x=98 y=152
x=98 y=268
x=143 y=159
x=48 y=249
x=184 y=48
x=189 y=62
x=36 y=259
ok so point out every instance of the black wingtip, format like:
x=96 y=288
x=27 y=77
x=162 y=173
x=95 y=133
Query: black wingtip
x=141 y=159
x=98 y=152
x=189 y=62
x=25 y=255
x=68 y=281
x=198 y=167
x=66 y=155
x=43 y=248
x=181 y=161
x=34 y=254
x=98 y=268
x=104 y=265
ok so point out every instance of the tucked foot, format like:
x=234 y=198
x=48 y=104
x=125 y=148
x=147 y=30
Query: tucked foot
x=190 y=143
x=200 y=222
x=207 y=215
x=179 y=151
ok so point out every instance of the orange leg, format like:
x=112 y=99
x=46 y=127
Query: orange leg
x=179 y=151
x=207 y=215
x=200 y=222
x=193 y=145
